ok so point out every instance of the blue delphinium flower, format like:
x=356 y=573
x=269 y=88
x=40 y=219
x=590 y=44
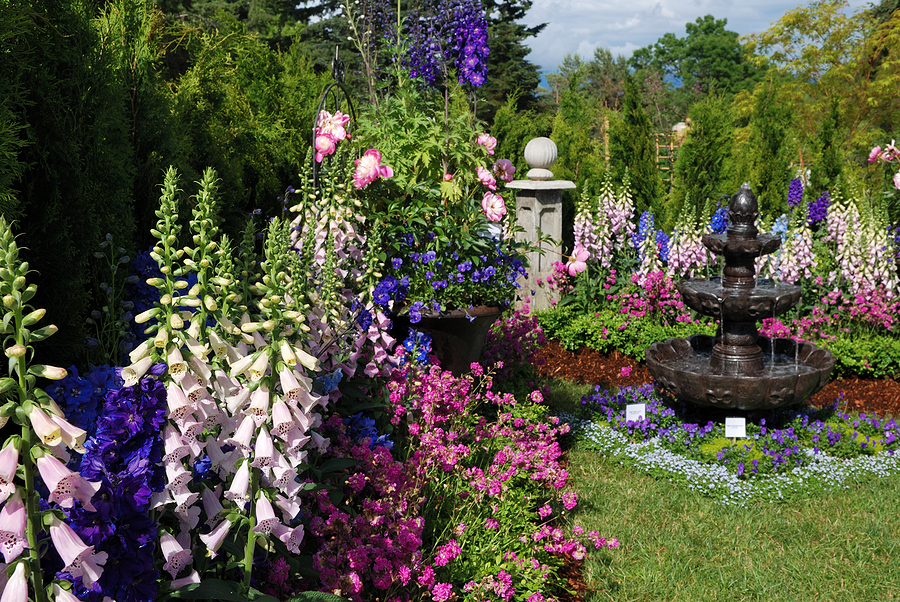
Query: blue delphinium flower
x=818 y=210
x=359 y=427
x=795 y=193
x=719 y=221
x=662 y=243
x=125 y=455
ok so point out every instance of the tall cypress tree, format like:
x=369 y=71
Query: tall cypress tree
x=827 y=171
x=769 y=148
x=632 y=147
x=703 y=158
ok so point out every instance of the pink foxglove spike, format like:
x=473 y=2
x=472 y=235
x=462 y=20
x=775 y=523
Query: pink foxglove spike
x=259 y=406
x=66 y=486
x=12 y=528
x=16 y=589
x=47 y=430
x=9 y=461
x=266 y=521
x=179 y=407
x=282 y=421
x=212 y=507
x=132 y=374
x=177 y=558
x=79 y=560
x=175 y=362
x=291 y=538
x=213 y=540
x=63 y=595
x=243 y=436
x=72 y=436
x=201 y=370
x=263 y=450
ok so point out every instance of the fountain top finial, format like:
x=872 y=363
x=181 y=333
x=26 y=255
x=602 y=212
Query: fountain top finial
x=742 y=213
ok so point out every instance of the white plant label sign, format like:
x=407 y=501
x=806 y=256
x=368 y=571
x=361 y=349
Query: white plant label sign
x=635 y=412
x=736 y=428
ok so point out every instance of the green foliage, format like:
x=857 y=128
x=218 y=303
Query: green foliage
x=514 y=129
x=701 y=169
x=609 y=330
x=827 y=171
x=74 y=176
x=511 y=75
x=770 y=148
x=709 y=55
x=631 y=147
x=866 y=354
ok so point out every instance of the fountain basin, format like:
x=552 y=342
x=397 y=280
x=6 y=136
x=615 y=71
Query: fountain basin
x=767 y=300
x=682 y=368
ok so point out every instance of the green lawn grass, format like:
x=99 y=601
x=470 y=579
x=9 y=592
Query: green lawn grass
x=677 y=545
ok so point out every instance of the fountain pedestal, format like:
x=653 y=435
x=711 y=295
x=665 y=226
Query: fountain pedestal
x=738 y=368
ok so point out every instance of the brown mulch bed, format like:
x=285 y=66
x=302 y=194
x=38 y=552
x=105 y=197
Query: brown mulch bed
x=588 y=366
x=881 y=396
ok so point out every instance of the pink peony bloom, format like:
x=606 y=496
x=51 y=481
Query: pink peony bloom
x=369 y=168
x=332 y=125
x=324 y=146
x=488 y=142
x=577 y=262
x=504 y=170
x=875 y=154
x=897 y=180
x=493 y=206
x=486 y=178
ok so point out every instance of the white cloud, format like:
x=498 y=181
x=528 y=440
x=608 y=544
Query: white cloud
x=623 y=26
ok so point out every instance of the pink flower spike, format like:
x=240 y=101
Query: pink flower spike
x=80 y=560
x=213 y=540
x=176 y=363
x=577 y=262
x=9 y=461
x=264 y=450
x=12 y=528
x=63 y=595
x=72 y=436
x=177 y=584
x=493 y=206
x=282 y=420
x=291 y=538
x=237 y=493
x=177 y=558
x=369 y=168
x=266 y=520
x=896 y=180
x=65 y=486
x=46 y=429
x=16 y=589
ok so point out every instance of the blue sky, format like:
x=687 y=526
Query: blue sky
x=579 y=26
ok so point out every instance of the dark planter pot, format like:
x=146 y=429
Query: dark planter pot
x=456 y=340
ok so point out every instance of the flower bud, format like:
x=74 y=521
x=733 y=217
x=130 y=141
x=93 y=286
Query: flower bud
x=16 y=350
x=146 y=315
x=49 y=372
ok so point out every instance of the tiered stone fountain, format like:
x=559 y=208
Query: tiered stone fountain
x=738 y=368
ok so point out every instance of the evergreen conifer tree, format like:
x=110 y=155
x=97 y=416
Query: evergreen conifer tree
x=769 y=148
x=632 y=147
x=703 y=159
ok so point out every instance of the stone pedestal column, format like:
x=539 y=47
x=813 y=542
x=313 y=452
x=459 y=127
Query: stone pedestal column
x=539 y=210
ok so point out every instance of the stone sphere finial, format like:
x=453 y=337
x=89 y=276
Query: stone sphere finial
x=540 y=154
x=742 y=213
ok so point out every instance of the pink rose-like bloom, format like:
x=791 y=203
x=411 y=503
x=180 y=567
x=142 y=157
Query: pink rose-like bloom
x=486 y=178
x=488 y=142
x=874 y=154
x=494 y=207
x=325 y=146
x=577 y=262
x=369 y=168
x=504 y=170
